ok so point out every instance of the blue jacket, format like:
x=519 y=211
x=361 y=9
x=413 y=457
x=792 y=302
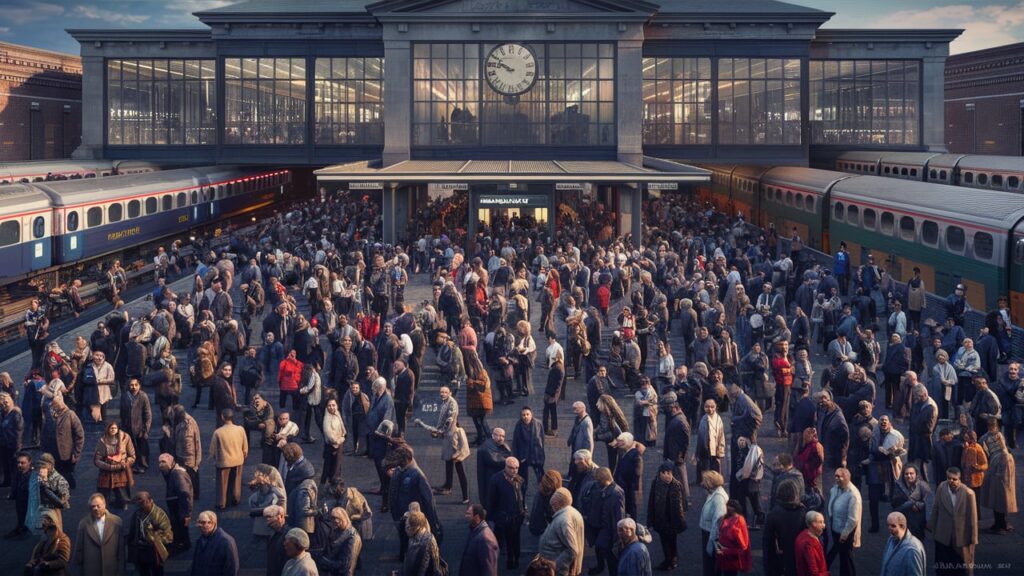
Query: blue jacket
x=381 y=409
x=412 y=486
x=301 y=471
x=905 y=557
x=609 y=508
x=528 y=443
x=635 y=560
x=215 y=555
x=629 y=475
x=480 y=558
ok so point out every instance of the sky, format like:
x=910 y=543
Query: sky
x=41 y=23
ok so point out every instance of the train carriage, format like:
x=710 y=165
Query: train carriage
x=25 y=230
x=951 y=236
x=991 y=172
x=794 y=198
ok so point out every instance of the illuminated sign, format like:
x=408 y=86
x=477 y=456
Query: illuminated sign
x=513 y=201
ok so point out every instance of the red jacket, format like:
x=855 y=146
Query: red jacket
x=809 y=461
x=288 y=375
x=604 y=297
x=369 y=327
x=810 y=556
x=735 y=545
x=782 y=370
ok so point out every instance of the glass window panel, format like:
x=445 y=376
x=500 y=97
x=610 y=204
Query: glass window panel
x=865 y=102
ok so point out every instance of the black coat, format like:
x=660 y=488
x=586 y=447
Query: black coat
x=608 y=508
x=677 y=439
x=250 y=373
x=781 y=527
x=666 y=511
x=556 y=376
x=629 y=475
x=480 y=557
x=276 y=556
x=215 y=555
x=410 y=485
x=405 y=387
x=297 y=474
x=834 y=435
x=222 y=392
x=490 y=458
x=528 y=443
x=506 y=505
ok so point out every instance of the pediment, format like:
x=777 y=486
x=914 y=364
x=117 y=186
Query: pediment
x=535 y=7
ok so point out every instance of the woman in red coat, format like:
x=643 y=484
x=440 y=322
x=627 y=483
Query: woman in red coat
x=733 y=553
x=809 y=459
x=289 y=374
x=809 y=553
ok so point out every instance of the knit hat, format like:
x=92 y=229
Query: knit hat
x=300 y=537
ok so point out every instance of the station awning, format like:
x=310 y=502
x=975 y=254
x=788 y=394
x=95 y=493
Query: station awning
x=604 y=171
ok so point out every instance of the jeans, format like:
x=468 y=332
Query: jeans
x=550 y=416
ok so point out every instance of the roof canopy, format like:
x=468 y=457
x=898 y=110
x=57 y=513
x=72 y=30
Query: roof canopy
x=653 y=170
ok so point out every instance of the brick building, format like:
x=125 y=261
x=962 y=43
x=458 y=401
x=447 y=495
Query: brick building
x=985 y=101
x=40 y=103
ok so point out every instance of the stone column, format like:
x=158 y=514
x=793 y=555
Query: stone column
x=388 y=211
x=397 y=101
x=932 y=105
x=630 y=211
x=93 y=109
x=629 y=100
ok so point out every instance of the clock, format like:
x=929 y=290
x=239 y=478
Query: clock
x=511 y=69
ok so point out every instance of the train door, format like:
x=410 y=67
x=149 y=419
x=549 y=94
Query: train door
x=1016 y=275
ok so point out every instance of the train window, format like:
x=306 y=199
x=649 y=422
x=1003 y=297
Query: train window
x=134 y=209
x=220 y=191
x=983 y=245
x=955 y=239
x=887 y=170
x=908 y=228
x=167 y=202
x=930 y=232
x=913 y=171
x=72 y=221
x=888 y=222
x=809 y=203
x=800 y=201
x=933 y=174
x=151 y=205
x=1018 y=251
x=182 y=199
x=997 y=180
x=10 y=232
x=903 y=171
x=39 y=227
x=853 y=215
x=115 y=212
x=789 y=198
x=195 y=196
x=968 y=177
x=778 y=195
x=1013 y=182
x=870 y=219
x=983 y=179
x=837 y=211
x=94 y=217
x=942 y=175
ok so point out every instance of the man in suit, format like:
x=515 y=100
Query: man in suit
x=507 y=508
x=98 y=548
x=228 y=449
x=954 y=523
x=137 y=420
x=405 y=393
x=528 y=446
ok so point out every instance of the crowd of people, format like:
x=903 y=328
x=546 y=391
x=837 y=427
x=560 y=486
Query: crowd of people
x=709 y=319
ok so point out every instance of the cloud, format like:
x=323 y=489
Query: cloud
x=4 y=29
x=21 y=12
x=985 y=25
x=90 y=12
x=180 y=12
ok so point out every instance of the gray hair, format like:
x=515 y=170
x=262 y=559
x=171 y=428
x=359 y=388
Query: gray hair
x=812 y=516
x=582 y=455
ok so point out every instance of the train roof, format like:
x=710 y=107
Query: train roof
x=861 y=156
x=806 y=178
x=947 y=161
x=969 y=205
x=916 y=158
x=40 y=168
x=993 y=163
x=75 y=192
x=753 y=172
x=19 y=198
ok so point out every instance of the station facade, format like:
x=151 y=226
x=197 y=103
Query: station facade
x=542 y=95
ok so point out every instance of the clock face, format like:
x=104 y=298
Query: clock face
x=511 y=69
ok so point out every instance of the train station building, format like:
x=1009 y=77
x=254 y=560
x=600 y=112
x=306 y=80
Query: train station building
x=522 y=104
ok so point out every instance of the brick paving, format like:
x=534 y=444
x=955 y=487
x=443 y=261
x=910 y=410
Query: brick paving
x=996 y=554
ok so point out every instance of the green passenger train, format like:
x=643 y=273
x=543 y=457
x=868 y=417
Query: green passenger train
x=952 y=234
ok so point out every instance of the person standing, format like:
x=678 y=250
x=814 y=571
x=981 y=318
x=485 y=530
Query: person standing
x=114 y=457
x=507 y=506
x=188 y=445
x=635 y=559
x=179 y=498
x=999 y=489
x=563 y=540
x=711 y=518
x=844 y=514
x=64 y=437
x=676 y=445
x=52 y=553
x=229 y=448
x=12 y=429
x=215 y=553
x=405 y=393
x=334 y=431
x=924 y=414
x=528 y=446
x=608 y=507
x=19 y=493
x=710 y=439
x=629 y=474
x=954 y=525
x=781 y=529
x=732 y=553
x=582 y=435
x=809 y=554
x=137 y=421
x=553 y=388
x=666 y=514
x=341 y=557
x=490 y=458
x=300 y=563
x=904 y=554
x=98 y=549
x=480 y=556
x=149 y=535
